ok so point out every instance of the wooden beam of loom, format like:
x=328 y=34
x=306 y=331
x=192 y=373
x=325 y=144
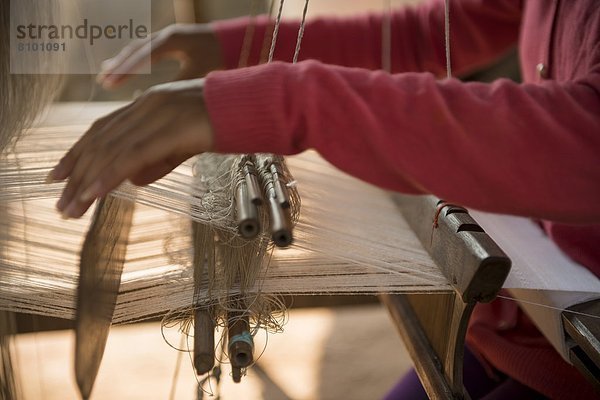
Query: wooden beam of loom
x=583 y=330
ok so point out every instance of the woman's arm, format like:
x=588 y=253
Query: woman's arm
x=526 y=149
x=481 y=30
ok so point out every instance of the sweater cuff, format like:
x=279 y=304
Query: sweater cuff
x=244 y=110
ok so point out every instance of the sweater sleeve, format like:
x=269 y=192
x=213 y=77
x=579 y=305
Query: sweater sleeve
x=525 y=149
x=481 y=30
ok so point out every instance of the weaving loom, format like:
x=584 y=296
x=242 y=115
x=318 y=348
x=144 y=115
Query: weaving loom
x=349 y=239
x=146 y=291
x=339 y=244
x=164 y=207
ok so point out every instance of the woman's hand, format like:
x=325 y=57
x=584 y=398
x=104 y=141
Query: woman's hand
x=141 y=142
x=195 y=46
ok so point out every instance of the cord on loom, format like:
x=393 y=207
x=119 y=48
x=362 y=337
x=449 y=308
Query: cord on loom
x=300 y=33
x=266 y=45
x=562 y=310
x=248 y=35
x=447 y=38
x=276 y=31
x=386 y=37
x=172 y=391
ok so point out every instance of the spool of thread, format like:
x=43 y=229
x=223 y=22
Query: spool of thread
x=241 y=344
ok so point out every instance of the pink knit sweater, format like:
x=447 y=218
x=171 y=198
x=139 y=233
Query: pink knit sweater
x=530 y=149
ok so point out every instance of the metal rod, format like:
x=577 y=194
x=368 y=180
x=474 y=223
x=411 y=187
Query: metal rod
x=236 y=374
x=254 y=192
x=204 y=341
x=281 y=226
x=204 y=327
x=281 y=192
x=246 y=213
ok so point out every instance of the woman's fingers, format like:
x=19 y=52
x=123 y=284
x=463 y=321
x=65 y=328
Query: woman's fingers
x=195 y=46
x=154 y=172
x=125 y=162
x=153 y=162
x=63 y=169
x=141 y=142
x=190 y=70
x=123 y=133
x=106 y=77
x=137 y=54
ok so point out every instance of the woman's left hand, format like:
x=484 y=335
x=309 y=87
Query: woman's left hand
x=141 y=142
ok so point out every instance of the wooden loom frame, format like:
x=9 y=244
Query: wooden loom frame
x=433 y=327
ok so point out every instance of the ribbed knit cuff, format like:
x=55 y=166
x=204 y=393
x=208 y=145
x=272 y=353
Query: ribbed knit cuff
x=246 y=111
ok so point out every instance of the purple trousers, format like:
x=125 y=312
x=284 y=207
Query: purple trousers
x=476 y=380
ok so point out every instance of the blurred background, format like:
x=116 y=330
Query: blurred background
x=167 y=12
x=342 y=352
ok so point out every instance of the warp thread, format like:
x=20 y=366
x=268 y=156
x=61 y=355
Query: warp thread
x=22 y=96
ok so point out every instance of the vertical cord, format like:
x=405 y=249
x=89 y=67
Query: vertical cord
x=275 y=31
x=300 y=33
x=248 y=35
x=26 y=248
x=268 y=34
x=177 y=367
x=386 y=37
x=447 y=37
